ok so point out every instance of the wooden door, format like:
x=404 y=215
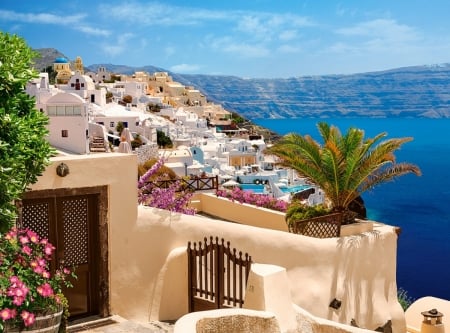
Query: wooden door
x=70 y=223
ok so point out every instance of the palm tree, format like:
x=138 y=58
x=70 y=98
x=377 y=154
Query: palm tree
x=344 y=166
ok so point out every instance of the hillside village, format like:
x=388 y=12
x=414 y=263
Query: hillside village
x=86 y=110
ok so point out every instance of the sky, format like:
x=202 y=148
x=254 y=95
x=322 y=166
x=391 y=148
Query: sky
x=245 y=38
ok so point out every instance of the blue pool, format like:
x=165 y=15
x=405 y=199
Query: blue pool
x=259 y=188
x=294 y=189
x=256 y=188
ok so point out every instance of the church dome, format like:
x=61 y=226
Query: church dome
x=61 y=60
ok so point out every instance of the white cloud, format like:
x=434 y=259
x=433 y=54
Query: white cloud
x=239 y=48
x=93 y=31
x=387 y=29
x=73 y=21
x=45 y=18
x=169 y=51
x=113 y=49
x=287 y=35
x=289 y=49
x=185 y=68
x=120 y=46
x=252 y=25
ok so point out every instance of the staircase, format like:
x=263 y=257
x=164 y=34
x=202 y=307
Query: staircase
x=97 y=145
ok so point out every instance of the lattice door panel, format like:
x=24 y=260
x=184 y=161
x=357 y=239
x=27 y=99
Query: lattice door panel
x=74 y=213
x=37 y=216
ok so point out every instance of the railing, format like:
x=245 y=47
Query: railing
x=325 y=226
x=191 y=184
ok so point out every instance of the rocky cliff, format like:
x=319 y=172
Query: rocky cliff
x=422 y=91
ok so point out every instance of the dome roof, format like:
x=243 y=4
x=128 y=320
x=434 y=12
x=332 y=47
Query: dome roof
x=61 y=60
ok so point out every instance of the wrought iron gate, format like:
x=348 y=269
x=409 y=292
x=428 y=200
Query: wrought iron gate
x=217 y=275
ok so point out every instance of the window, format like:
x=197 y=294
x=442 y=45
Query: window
x=69 y=110
x=65 y=133
x=77 y=110
x=111 y=124
x=60 y=110
x=51 y=110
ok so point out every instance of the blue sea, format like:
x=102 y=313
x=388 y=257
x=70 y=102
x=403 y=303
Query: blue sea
x=419 y=205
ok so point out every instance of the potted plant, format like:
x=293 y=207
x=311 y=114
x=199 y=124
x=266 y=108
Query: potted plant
x=31 y=297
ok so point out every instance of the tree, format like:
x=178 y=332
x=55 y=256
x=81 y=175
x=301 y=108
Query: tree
x=152 y=107
x=119 y=127
x=344 y=166
x=51 y=74
x=163 y=140
x=24 y=150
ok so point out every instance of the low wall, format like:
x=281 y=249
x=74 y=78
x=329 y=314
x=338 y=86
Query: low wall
x=149 y=279
x=228 y=320
x=228 y=210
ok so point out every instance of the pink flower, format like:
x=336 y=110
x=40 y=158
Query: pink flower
x=45 y=290
x=38 y=270
x=66 y=270
x=48 y=250
x=34 y=238
x=27 y=250
x=14 y=279
x=18 y=300
x=12 y=234
x=28 y=318
x=6 y=314
x=24 y=240
x=46 y=274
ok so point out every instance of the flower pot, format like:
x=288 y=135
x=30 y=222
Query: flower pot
x=48 y=323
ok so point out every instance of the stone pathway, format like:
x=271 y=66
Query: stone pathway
x=119 y=325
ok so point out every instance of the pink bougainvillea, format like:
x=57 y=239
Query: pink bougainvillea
x=248 y=197
x=174 y=198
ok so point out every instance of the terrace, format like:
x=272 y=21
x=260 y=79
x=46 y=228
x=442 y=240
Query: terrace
x=144 y=257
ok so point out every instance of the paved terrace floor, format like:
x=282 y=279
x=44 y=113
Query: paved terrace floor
x=116 y=324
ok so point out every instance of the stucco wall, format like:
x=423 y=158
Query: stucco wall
x=115 y=170
x=150 y=281
x=241 y=213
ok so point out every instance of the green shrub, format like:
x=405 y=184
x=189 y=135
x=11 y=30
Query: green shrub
x=297 y=211
x=403 y=298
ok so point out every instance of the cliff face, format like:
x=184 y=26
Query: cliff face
x=421 y=91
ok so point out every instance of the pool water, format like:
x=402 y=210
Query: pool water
x=294 y=189
x=256 y=188
x=260 y=188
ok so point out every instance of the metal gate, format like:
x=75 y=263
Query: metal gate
x=71 y=223
x=217 y=275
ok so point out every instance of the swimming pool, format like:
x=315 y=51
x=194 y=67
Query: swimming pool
x=256 y=188
x=295 y=189
x=259 y=188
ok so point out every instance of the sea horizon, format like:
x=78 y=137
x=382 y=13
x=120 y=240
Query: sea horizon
x=418 y=205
